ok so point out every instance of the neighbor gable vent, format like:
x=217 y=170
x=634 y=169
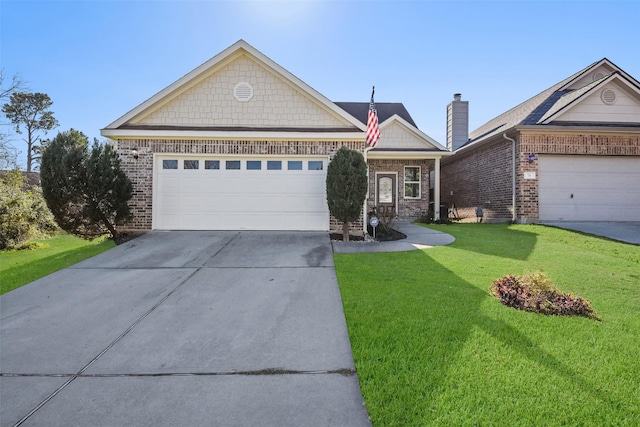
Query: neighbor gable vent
x=608 y=96
x=243 y=92
x=598 y=75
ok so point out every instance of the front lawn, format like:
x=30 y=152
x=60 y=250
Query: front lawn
x=18 y=268
x=433 y=347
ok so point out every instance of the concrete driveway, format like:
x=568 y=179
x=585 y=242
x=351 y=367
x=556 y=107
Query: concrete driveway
x=183 y=328
x=628 y=232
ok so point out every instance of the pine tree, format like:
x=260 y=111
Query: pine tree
x=85 y=189
x=346 y=187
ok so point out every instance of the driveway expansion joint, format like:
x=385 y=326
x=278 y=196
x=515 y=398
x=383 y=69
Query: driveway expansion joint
x=347 y=372
x=113 y=343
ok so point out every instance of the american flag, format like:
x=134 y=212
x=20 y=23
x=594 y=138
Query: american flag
x=373 y=131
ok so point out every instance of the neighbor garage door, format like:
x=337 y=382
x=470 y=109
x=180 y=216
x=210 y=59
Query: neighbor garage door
x=224 y=193
x=589 y=188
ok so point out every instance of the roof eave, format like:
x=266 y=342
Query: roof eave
x=578 y=128
x=236 y=135
x=407 y=155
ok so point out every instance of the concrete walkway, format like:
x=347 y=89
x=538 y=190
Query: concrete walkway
x=417 y=238
x=183 y=329
x=628 y=232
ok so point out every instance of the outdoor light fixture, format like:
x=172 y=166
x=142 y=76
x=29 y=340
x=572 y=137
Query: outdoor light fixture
x=134 y=153
x=532 y=157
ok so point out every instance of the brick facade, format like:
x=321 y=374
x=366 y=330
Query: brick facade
x=483 y=173
x=409 y=209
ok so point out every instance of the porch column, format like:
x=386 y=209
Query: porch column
x=436 y=190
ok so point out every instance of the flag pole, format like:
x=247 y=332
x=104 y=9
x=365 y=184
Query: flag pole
x=366 y=162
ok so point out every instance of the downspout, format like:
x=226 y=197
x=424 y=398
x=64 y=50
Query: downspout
x=514 y=217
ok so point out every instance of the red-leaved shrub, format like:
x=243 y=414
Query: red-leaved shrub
x=534 y=292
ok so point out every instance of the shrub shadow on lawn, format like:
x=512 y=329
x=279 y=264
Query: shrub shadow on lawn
x=421 y=331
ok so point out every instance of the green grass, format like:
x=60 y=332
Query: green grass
x=433 y=348
x=18 y=268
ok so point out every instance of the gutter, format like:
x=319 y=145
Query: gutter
x=514 y=217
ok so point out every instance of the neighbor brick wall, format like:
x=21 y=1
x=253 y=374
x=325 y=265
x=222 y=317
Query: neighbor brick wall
x=479 y=177
x=484 y=173
x=140 y=171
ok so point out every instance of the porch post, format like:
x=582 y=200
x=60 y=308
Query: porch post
x=436 y=190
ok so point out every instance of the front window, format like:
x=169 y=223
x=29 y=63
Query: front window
x=412 y=182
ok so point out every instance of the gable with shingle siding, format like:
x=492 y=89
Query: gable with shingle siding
x=212 y=102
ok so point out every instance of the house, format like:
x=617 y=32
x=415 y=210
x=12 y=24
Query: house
x=241 y=143
x=570 y=153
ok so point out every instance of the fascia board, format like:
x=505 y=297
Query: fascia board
x=192 y=75
x=304 y=87
x=577 y=129
x=191 y=134
x=413 y=129
x=586 y=71
x=226 y=55
x=613 y=77
x=406 y=155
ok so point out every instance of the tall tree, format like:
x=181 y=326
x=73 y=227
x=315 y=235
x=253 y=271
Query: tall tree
x=8 y=153
x=31 y=111
x=85 y=188
x=346 y=187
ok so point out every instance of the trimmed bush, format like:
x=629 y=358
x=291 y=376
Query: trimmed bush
x=534 y=292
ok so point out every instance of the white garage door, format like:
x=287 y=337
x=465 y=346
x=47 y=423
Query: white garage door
x=224 y=193
x=589 y=188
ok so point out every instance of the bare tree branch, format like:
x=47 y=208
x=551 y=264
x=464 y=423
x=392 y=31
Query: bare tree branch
x=18 y=84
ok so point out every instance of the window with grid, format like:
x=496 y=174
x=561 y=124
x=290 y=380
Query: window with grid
x=411 y=182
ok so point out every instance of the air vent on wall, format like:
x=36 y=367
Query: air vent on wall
x=608 y=96
x=243 y=92
x=598 y=75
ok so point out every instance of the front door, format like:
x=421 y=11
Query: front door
x=386 y=192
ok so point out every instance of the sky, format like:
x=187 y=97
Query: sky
x=97 y=60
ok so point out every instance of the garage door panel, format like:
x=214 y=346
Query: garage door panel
x=239 y=199
x=589 y=188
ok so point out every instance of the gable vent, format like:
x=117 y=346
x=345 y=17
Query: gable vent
x=608 y=96
x=598 y=75
x=243 y=92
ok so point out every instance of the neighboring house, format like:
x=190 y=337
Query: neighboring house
x=32 y=179
x=570 y=153
x=241 y=143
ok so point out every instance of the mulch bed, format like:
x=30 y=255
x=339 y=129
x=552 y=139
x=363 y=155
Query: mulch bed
x=380 y=237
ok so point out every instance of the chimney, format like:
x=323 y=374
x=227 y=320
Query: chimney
x=457 y=123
